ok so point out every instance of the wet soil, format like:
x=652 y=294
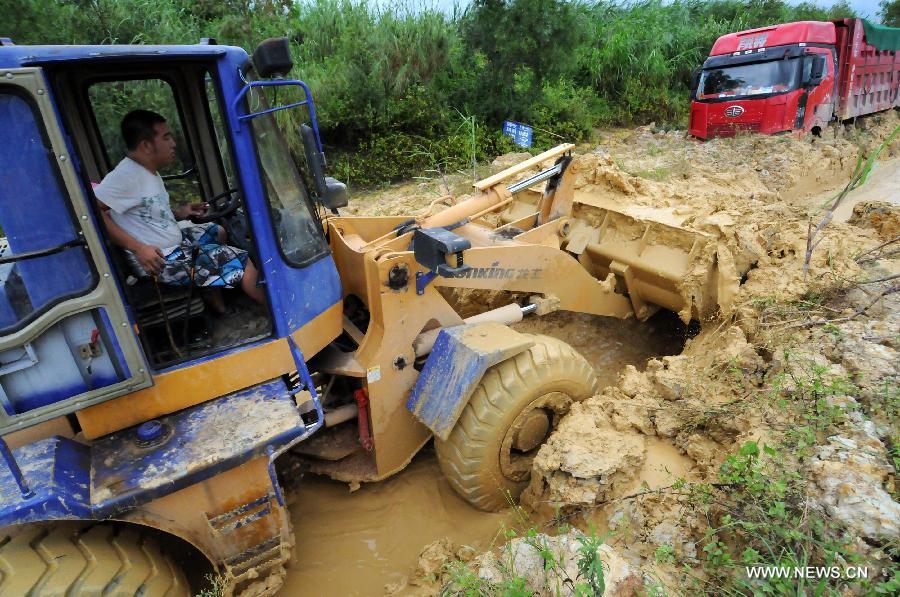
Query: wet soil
x=883 y=185
x=358 y=543
x=676 y=414
x=609 y=344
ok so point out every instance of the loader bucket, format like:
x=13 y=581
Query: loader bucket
x=656 y=260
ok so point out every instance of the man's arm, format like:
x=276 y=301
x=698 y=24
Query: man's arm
x=185 y=212
x=151 y=258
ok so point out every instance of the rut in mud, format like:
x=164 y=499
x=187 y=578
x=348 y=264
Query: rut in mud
x=676 y=417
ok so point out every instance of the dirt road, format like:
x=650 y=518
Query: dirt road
x=882 y=185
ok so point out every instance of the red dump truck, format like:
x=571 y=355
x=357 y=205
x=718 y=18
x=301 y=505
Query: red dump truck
x=795 y=77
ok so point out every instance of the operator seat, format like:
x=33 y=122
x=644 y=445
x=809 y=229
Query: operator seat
x=145 y=300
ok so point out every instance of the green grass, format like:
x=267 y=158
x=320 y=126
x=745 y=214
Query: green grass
x=589 y=580
x=759 y=510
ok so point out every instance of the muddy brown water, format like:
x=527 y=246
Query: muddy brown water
x=357 y=543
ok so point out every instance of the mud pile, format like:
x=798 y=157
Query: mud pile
x=718 y=394
x=601 y=445
x=706 y=403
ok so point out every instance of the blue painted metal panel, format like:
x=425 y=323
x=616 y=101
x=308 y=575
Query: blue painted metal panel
x=51 y=370
x=17 y=56
x=116 y=473
x=56 y=470
x=108 y=334
x=201 y=442
x=455 y=367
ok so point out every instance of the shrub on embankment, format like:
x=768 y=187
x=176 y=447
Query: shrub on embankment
x=401 y=89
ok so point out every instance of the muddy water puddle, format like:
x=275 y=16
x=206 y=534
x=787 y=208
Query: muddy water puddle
x=663 y=466
x=357 y=543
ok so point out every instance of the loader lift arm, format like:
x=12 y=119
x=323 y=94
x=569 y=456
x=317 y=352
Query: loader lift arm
x=533 y=235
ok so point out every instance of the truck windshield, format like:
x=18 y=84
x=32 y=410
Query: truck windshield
x=760 y=78
x=298 y=231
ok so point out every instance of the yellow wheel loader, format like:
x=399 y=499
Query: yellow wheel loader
x=137 y=426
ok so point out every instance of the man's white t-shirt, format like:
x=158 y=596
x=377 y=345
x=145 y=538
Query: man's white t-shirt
x=139 y=204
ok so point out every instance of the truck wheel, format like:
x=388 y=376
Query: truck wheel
x=487 y=457
x=76 y=558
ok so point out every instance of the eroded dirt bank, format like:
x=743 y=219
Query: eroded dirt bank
x=770 y=439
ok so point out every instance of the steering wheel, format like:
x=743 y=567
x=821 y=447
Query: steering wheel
x=222 y=205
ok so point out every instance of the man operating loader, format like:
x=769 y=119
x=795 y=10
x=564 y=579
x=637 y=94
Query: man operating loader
x=138 y=217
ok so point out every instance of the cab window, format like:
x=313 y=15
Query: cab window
x=112 y=100
x=297 y=226
x=43 y=258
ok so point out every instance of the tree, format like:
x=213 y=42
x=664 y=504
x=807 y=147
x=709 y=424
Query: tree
x=514 y=48
x=890 y=12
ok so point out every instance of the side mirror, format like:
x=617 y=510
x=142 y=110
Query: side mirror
x=272 y=58
x=695 y=81
x=336 y=194
x=816 y=71
x=329 y=191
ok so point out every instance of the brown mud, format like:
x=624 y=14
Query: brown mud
x=673 y=404
x=369 y=541
x=362 y=542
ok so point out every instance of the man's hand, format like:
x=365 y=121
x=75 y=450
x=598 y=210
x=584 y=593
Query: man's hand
x=151 y=258
x=191 y=210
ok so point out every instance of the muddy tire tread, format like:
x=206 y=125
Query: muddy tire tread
x=95 y=545
x=466 y=456
x=78 y=558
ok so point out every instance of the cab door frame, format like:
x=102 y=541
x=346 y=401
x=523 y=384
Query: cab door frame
x=31 y=82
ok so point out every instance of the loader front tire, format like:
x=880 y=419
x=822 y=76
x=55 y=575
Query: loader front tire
x=488 y=455
x=77 y=558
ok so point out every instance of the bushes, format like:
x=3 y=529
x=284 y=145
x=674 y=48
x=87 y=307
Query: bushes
x=392 y=83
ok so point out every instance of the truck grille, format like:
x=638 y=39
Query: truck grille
x=730 y=129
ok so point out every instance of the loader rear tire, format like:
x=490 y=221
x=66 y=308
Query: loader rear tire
x=77 y=558
x=488 y=455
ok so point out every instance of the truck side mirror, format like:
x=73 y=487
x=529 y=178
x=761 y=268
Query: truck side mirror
x=695 y=81
x=330 y=192
x=816 y=71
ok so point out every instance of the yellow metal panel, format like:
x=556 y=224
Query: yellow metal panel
x=397 y=317
x=57 y=426
x=187 y=512
x=181 y=388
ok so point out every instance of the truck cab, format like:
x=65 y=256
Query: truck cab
x=795 y=77
x=767 y=80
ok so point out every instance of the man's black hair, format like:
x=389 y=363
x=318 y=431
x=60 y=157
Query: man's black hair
x=138 y=125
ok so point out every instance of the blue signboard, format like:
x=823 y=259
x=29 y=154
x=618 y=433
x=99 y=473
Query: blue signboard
x=521 y=133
